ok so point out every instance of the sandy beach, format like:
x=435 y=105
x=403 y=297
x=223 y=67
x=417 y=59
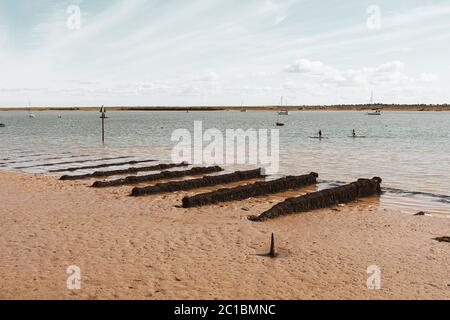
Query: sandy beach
x=148 y=248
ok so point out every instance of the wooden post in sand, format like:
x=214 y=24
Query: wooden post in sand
x=272 y=252
x=103 y=116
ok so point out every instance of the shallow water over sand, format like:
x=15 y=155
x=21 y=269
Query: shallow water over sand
x=409 y=150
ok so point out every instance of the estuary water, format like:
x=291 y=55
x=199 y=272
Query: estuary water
x=410 y=151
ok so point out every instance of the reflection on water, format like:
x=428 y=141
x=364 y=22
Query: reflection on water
x=409 y=150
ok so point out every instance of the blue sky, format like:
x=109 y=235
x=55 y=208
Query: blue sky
x=224 y=52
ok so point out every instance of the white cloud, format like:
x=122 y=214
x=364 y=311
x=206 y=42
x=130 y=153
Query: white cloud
x=144 y=51
x=387 y=74
x=391 y=82
x=428 y=77
x=209 y=77
x=308 y=67
x=277 y=10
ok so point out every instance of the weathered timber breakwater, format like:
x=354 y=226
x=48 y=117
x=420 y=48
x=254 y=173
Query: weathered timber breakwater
x=206 y=181
x=104 y=165
x=251 y=190
x=27 y=155
x=17 y=159
x=98 y=174
x=69 y=162
x=157 y=176
x=322 y=199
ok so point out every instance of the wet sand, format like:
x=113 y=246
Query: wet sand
x=148 y=248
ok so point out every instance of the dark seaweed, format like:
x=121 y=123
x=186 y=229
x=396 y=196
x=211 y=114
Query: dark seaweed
x=322 y=199
x=206 y=181
x=156 y=176
x=251 y=190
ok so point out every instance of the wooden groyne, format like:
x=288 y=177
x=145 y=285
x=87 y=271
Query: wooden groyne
x=104 y=165
x=22 y=155
x=17 y=159
x=98 y=174
x=322 y=199
x=250 y=190
x=69 y=162
x=206 y=181
x=157 y=176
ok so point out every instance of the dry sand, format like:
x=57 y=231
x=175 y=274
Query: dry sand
x=147 y=248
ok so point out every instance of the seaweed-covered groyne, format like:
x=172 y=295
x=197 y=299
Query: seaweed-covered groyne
x=17 y=158
x=322 y=199
x=98 y=174
x=69 y=162
x=27 y=154
x=157 y=176
x=250 y=190
x=206 y=181
x=103 y=165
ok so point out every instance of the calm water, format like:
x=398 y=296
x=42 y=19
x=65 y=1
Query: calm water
x=409 y=150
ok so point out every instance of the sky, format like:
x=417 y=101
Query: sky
x=223 y=52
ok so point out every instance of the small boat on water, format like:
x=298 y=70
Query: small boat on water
x=354 y=135
x=2 y=125
x=283 y=112
x=30 y=114
x=374 y=113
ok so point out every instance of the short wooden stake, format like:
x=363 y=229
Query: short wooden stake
x=272 y=252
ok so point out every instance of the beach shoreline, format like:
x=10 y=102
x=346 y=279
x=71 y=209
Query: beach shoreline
x=150 y=248
x=344 y=107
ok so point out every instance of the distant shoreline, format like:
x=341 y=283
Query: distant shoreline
x=383 y=107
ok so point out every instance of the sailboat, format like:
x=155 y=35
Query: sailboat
x=284 y=112
x=374 y=112
x=242 y=107
x=30 y=114
x=279 y=123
